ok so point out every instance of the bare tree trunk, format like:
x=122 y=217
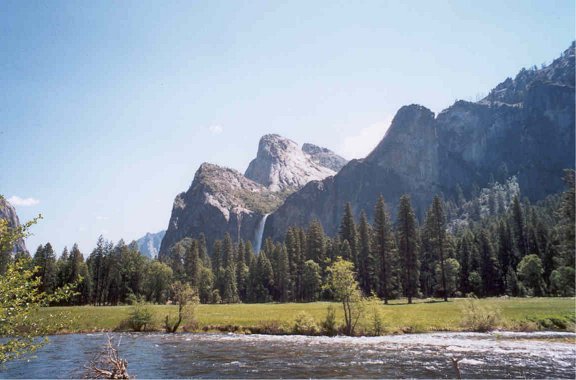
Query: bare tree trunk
x=107 y=365
x=456 y=367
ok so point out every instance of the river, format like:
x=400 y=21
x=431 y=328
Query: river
x=493 y=355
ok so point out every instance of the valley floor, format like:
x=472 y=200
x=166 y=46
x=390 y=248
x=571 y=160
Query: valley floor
x=520 y=314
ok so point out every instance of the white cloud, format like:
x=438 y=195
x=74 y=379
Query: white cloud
x=99 y=217
x=362 y=143
x=215 y=129
x=25 y=202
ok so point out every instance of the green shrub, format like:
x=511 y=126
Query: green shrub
x=329 y=326
x=140 y=318
x=565 y=323
x=376 y=324
x=269 y=328
x=477 y=317
x=305 y=324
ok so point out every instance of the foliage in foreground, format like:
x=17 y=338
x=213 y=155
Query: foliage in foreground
x=20 y=299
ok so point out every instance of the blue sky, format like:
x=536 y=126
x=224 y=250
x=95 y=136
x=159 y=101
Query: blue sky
x=108 y=108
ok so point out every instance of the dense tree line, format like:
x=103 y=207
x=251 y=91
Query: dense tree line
x=514 y=249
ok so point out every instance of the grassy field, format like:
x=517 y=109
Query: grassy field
x=422 y=316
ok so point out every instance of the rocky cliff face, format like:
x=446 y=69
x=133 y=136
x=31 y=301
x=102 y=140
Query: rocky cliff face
x=222 y=200
x=324 y=157
x=281 y=165
x=8 y=213
x=525 y=127
x=219 y=201
x=149 y=244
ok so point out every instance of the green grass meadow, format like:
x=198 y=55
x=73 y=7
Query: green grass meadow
x=525 y=314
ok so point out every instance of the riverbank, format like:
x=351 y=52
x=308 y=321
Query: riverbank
x=516 y=314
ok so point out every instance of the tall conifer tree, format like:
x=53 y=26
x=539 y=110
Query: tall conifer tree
x=408 y=247
x=385 y=248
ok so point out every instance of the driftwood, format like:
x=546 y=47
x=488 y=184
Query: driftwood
x=107 y=365
x=456 y=367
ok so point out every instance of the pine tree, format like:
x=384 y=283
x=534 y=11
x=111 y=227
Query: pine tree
x=506 y=255
x=436 y=226
x=312 y=281
x=519 y=227
x=228 y=258
x=512 y=287
x=549 y=261
x=567 y=225
x=241 y=271
x=385 y=249
x=216 y=256
x=334 y=250
x=345 y=249
x=261 y=279
x=79 y=270
x=203 y=250
x=229 y=284
x=465 y=248
x=114 y=286
x=348 y=232
x=63 y=268
x=96 y=266
x=206 y=288
x=301 y=244
x=249 y=256
x=366 y=268
x=408 y=247
x=175 y=258
x=281 y=273
x=428 y=261
x=488 y=266
x=316 y=242
x=192 y=264
x=290 y=243
x=45 y=260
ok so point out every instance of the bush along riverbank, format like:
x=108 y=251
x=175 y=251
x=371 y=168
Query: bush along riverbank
x=325 y=318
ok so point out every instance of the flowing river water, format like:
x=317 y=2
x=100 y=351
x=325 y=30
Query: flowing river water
x=493 y=355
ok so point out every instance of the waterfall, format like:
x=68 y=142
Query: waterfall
x=259 y=233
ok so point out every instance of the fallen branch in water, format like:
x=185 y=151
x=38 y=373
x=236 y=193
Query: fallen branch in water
x=107 y=365
x=456 y=366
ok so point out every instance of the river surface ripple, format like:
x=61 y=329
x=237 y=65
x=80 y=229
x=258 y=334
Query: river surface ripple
x=492 y=355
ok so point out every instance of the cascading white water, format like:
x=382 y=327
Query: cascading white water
x=259 y=233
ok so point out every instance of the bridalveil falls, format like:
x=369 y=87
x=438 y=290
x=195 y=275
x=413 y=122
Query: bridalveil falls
x=259 y=233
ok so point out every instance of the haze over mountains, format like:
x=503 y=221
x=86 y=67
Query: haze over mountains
x=524 y=127
x=149 y=244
